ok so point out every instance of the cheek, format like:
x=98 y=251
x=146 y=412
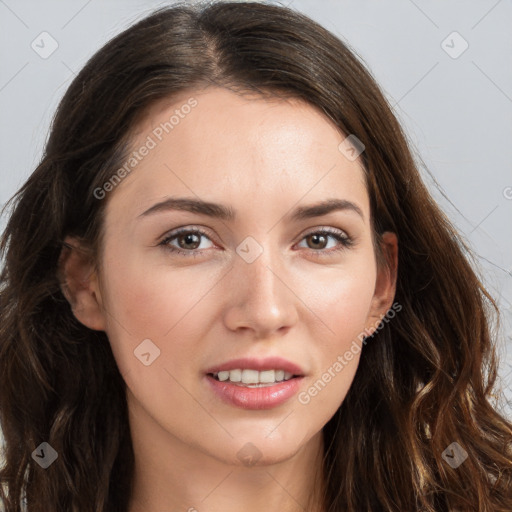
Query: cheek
x=150 y=299
x=159 y=303
x=342 y=300
x=343 y=305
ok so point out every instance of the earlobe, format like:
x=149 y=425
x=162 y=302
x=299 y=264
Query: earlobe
x=385 y=285
x=79 y=284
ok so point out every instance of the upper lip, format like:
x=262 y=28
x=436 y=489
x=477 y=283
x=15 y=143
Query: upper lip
x=249 y=363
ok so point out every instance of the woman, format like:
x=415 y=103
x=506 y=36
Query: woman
x=227 y=287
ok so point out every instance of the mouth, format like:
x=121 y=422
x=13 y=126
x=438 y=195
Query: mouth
x=253 y=378
x=250 y=383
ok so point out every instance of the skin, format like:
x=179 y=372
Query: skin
x=297 y=300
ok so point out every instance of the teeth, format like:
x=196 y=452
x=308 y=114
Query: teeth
x=250 y=377
x=235 y=375
x=267 y=376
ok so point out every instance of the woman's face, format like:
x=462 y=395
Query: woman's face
x=262 y=281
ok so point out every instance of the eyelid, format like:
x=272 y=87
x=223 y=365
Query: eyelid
x=165 y=239
x=344 y=239
x=185 y=229
x=203 y=230
x=325 y=229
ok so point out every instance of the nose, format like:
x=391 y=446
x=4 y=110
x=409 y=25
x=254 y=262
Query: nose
x=260 y=297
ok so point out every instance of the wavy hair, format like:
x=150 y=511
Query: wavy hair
x=424 y=381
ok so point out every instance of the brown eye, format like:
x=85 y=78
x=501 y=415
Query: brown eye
x=185 y=241
x=318 y=241
x=189 y=241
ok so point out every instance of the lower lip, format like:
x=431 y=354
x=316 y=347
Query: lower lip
x=255 y=398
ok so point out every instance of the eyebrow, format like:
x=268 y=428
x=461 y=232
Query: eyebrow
x=226 y=213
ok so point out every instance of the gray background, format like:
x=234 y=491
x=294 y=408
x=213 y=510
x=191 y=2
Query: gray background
x=455 y=106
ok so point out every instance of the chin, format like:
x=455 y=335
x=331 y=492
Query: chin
x=258 y=450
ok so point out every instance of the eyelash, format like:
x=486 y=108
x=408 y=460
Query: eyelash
x=345 y=241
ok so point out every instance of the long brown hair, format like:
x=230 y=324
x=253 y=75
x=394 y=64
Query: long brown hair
x=424 y=381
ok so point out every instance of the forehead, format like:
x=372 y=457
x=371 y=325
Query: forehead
x=215 y=143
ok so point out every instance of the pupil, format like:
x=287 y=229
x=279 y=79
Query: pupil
x=317 y=237
x=189 y=240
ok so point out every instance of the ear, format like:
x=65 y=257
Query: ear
x=385 y=285
x=79 y=284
